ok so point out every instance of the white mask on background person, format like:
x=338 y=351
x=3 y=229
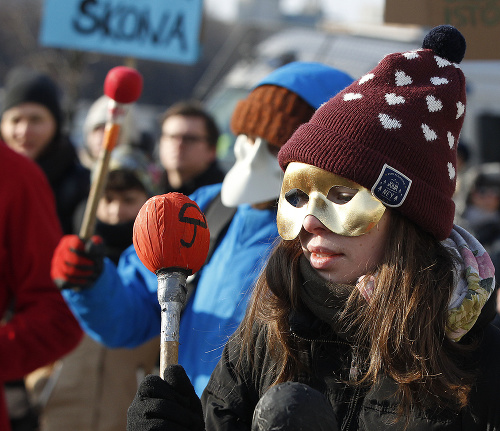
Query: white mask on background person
x=255 y=177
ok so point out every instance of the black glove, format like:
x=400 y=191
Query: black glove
x=77 y=264
x=166 y=405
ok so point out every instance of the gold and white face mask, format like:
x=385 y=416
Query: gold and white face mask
x=343 y=206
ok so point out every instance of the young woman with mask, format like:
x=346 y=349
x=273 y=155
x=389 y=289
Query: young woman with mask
x=374 y=301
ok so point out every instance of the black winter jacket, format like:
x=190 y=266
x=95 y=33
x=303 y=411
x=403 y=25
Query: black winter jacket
x=68 y=178
x=231 y=395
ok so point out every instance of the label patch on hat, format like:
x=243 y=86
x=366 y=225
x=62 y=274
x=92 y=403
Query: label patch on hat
x=391 y=187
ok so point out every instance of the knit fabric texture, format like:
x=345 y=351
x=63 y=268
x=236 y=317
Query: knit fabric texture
x=395 y=132
x=25 y=86
x=97 y=115
x=270 y=112
x=285 y=99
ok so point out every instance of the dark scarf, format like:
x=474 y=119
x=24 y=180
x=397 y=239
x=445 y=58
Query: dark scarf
x=117 y=237
x=69 y=180
x=58 y=158
x=326 y=300
x=213 y=175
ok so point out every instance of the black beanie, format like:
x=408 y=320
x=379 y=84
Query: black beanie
x=24 y=85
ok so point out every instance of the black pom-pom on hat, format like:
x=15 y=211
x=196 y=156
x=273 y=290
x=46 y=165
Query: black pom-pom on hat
x=447 y=42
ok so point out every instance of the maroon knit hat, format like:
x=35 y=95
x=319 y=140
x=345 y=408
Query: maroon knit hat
x=395 y=131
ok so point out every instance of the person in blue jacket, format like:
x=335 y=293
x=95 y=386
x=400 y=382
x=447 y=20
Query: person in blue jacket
x=118 y=305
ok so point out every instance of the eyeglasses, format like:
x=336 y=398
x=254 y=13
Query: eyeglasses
x=186 y=139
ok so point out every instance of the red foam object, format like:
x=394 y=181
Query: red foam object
x=170 y=231
x=123 y=84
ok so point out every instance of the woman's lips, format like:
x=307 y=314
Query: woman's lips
x=322 y=259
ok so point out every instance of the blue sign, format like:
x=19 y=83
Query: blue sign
x=162 y=30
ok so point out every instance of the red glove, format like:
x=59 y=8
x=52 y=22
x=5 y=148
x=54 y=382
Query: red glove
x=77 y=264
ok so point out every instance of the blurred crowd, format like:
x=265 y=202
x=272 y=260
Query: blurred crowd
x=87 y=372
x=91 y=387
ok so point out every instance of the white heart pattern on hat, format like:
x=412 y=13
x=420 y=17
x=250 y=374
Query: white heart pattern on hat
x=429 y=134
x=352 y=96
x=402 y=78
x=451 y=140
x=411 y=55
x=393 y=99
x=442 y=62
x=433 y=104
x=451 y=171
x=399 y=98
x=388 y=122
x=366 y=78
x=436 y=80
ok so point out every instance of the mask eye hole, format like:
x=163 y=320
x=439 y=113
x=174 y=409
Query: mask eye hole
x=297 y=198
x=341 y=195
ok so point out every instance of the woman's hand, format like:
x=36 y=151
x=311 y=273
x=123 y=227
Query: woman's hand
x=166 y=405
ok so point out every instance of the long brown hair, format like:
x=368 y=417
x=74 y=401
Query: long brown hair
x=406 y=341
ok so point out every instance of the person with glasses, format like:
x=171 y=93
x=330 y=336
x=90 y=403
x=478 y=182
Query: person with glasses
x=187 y=149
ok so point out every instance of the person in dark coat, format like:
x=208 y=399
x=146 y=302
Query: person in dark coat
x=374 y=307
x=31 y=124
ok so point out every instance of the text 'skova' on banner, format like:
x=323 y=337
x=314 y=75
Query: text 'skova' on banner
x=161 y=30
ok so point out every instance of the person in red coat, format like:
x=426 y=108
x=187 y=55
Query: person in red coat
x=41 y=328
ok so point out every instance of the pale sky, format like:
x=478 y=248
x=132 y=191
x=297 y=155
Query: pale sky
x=345 y=11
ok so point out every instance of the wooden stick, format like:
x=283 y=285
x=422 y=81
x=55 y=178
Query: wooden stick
x=171 y=297
x=123 y=86
x=100 y=174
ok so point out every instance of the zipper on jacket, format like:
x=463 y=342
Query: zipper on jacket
x=346 y=424
x=310 y=340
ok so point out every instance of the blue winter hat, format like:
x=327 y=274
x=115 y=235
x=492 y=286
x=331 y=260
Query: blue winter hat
x=285 y=99
x=314 y=82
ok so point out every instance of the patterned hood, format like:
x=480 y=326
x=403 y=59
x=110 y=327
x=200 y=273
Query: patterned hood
x=475 y=282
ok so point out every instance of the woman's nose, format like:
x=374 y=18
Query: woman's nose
x=22 y=128
x=114 y=212
x=312 y=225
